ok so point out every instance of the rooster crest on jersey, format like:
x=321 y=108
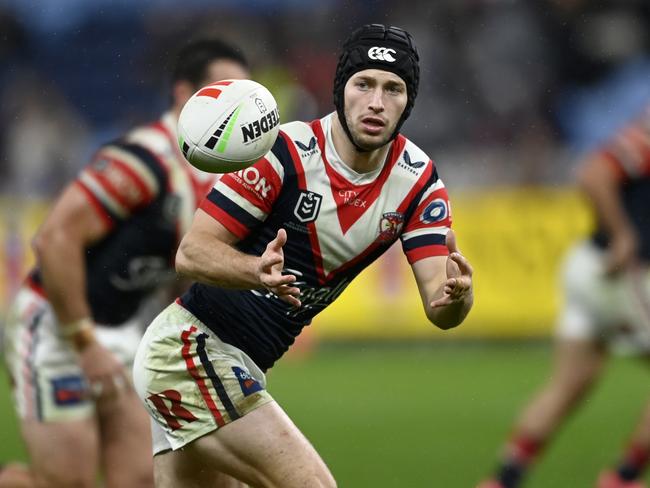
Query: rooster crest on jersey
x=390 y=226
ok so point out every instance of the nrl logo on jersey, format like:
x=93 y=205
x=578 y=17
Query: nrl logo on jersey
x=308 y=206
x=309 y=149
x=390 y=226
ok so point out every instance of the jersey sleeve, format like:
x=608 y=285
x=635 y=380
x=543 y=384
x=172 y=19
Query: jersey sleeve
x=120 y=179
x=629 y=151
x=243 y=199
x=426 y=229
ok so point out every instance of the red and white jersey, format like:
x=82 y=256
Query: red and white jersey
x=338 y=222
x=629 y=154
x=147 y=194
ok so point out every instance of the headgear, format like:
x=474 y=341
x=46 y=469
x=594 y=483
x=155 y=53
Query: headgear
x=379 y=47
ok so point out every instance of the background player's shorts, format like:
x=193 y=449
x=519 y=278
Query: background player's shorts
x=191 y=382
x=614 y=310
x=48 y=384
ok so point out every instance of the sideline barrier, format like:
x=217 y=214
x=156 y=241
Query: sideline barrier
x=514 y=237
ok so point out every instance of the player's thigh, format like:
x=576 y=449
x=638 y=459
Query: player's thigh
x=125 y=441
x=63 y=454
x=264 y=448
x=577 y=363
x=209 y=402
x=16 y=475
x=56 y=414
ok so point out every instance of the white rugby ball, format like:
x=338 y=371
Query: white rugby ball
x=228 y=125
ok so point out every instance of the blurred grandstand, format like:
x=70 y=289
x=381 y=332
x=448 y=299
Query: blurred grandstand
x=512 y=92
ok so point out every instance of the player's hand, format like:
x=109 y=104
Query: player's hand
x=459 y=275
x=105 y=374
x=270 y=271
x=622 y=252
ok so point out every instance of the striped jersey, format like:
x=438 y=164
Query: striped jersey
x=147 y=194
x=337 y=223
x=629 y=154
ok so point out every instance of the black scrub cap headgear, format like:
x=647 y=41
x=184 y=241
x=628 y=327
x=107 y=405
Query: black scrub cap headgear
x=375 y=46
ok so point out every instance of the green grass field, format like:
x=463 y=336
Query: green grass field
x=433 y=415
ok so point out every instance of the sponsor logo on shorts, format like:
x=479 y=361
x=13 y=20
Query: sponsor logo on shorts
x=168 y=404
x=248 y=384
x=69 y=390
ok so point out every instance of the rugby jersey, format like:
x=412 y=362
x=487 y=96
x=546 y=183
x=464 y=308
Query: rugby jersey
x=337 y=222
x=629 y=154
x=147 y=194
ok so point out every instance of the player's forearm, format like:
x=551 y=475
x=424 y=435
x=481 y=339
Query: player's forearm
x=63 y=268
x=452 y=315
x=599 y=184
x=214 y=262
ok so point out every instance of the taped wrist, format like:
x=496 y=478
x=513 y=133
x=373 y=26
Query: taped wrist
x=80 y=333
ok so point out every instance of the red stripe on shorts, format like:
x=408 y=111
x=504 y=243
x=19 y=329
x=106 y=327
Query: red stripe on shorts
x=191 y=367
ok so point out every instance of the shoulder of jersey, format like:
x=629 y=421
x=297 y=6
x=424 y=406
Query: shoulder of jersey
x=413 y=161
x=300 y=136
x=153 y=139
x=298 y=131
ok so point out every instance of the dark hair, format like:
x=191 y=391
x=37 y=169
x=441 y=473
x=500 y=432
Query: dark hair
x=193 y=59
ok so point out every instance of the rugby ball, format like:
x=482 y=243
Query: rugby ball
x=228 y=125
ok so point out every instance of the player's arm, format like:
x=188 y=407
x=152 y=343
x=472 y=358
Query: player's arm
x=207 y=254
x=600 y=180
x=445 y=286
x=60 y=244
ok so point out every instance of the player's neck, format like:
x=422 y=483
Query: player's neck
x=358 y=161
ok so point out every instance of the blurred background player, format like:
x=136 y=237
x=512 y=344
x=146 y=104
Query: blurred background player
x=607 y=306
x=73 y=328
x=268 y=261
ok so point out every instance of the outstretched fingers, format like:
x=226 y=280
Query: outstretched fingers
x=463 y=264
x=278 y=243
x=450 y=242
x=454 y=290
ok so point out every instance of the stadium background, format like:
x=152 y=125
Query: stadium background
x=512 y=94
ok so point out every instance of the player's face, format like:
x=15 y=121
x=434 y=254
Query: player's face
x=374 y=102
x=224 y=69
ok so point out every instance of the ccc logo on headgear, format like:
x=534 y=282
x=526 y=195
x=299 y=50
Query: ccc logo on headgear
x=382 y=54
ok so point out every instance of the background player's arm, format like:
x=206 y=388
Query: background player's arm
x=206 y=254
x=60 y=244
x=445 y=285
x=72 y=226
x=601 y=183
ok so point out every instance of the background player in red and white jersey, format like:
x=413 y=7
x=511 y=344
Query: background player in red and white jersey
x=108 y=243
x=607 y=306
x=272 y=246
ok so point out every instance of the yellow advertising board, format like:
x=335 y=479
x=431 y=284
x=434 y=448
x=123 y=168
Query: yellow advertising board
x=515 y=239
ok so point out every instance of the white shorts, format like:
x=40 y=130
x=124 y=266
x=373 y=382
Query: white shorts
x=615 y=310
x=191 y=382
x=48 y=384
